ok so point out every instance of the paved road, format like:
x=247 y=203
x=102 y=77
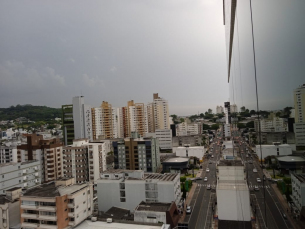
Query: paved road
x=274 y=210
x=204 y=200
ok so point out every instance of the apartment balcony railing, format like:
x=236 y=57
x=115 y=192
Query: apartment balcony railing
x=29 y=225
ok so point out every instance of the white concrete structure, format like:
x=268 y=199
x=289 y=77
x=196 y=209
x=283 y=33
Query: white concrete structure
x=219 y=110
x=56 y=205
x=164 y=136
x=8 y=154
x=82 y=118
x=298 y=190
x=272 y=124
x=194 y=151
x=233 y=200
x=85 y=160
x=299 y=131
x=273 y=150
x=127 y=188
x=24 y=175
x=88 y=224
x=157 y=114
x=227 y=130
x=185 y=128
x=10 y=209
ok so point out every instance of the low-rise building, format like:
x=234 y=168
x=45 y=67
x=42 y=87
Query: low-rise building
x=166 y=213
x=193 y=151
x=191 y=140
x=10 y=208
x=273 y=150
x=56 y=205
x=22 y=175
x=298 y=190
x=127 y=188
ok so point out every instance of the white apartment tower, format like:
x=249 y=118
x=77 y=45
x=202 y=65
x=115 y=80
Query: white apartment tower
x=299 y=125
x=219 y=110
x=157 y=114
x=82 y=118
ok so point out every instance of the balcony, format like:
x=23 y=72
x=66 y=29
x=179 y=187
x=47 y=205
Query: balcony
x=47 y=217
x=29 y=216
x=46 y=208
x=47 y=226
x=71 y=205
x=71 y=214
x=29 y=225
x=71 y=223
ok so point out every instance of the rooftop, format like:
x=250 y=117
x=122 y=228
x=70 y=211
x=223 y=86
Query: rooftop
x=291 y=159
x=50 y=190
x=156 y=207
x=13 y=189
x=230 y=163
x=177 y=159
x=87 y=224
x=161 y=177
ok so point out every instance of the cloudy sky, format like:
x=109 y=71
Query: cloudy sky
x=120 y=50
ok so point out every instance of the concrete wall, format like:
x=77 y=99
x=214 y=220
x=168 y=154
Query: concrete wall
x=192 y=152
x=271 y=150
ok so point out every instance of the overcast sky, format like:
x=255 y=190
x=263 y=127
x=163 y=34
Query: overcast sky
x=121 y=50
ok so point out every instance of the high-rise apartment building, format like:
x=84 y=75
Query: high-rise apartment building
x=47 y=151
x=157 y=114
x=271 y=124
x=61 y=204
x=137 y=153
x=85 y=160
x=233 y=108
x=82 y=118
x=137 y=118
x=8 y=154
x=219 y=110
x=22 y=175
x=67 y=124
x=299 y=125
x=104 y=122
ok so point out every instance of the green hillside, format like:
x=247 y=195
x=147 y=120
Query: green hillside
x=34 y=113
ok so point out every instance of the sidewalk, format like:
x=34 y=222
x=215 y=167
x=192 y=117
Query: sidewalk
x=295 y=223
x=188 y=201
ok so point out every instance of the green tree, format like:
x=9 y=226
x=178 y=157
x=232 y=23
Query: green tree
x=250 y=124
x=241 y=126
x=181 y=119
x=205 y=126
x=214 y=126
x=242 y=109
x=210 y=111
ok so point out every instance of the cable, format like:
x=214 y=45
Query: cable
x=257 y=107
x=241 y=88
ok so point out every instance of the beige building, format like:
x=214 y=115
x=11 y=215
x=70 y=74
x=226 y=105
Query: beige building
x=299 y=125
x=157 y=114
x=104 y=121
x=85 y=160
x=56 y=205
x=10 y=208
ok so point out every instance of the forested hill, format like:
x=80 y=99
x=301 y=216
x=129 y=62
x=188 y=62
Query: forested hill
x=33 y=113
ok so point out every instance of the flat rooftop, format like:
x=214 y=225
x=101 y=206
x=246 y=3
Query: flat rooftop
x=155 y=207
x=230 y=163
x=291 y=159
x=160 y=177
x=13 y=189
x=87 y=224
x=177 y=160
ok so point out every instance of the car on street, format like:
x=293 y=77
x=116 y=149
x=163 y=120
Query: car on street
x=212 y=156
x=198 y=178
x=250 y=162
x=207 y=170
x=256 y=188
x=258 y=179
x=188 y=210
x=210 y=162
x=284 y=215
x=205 y=179
x=208 y=187
x=255 y=170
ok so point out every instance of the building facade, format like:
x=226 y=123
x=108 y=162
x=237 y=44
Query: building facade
x=299 y=125
x=219 y=110
x=8 y=154
x=127 y=188
x=137 y=154
x=85 y=160
x=165 y=138
x=67 y=124
x=56 y=205
x=22 y=175
x=298 y=190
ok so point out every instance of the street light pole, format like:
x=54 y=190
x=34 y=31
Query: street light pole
x=264 y=177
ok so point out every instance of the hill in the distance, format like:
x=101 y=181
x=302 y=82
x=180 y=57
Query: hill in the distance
x=34 y=113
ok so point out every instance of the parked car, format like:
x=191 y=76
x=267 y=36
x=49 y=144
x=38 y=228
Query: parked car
x=188 y=210
x=205 y=179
